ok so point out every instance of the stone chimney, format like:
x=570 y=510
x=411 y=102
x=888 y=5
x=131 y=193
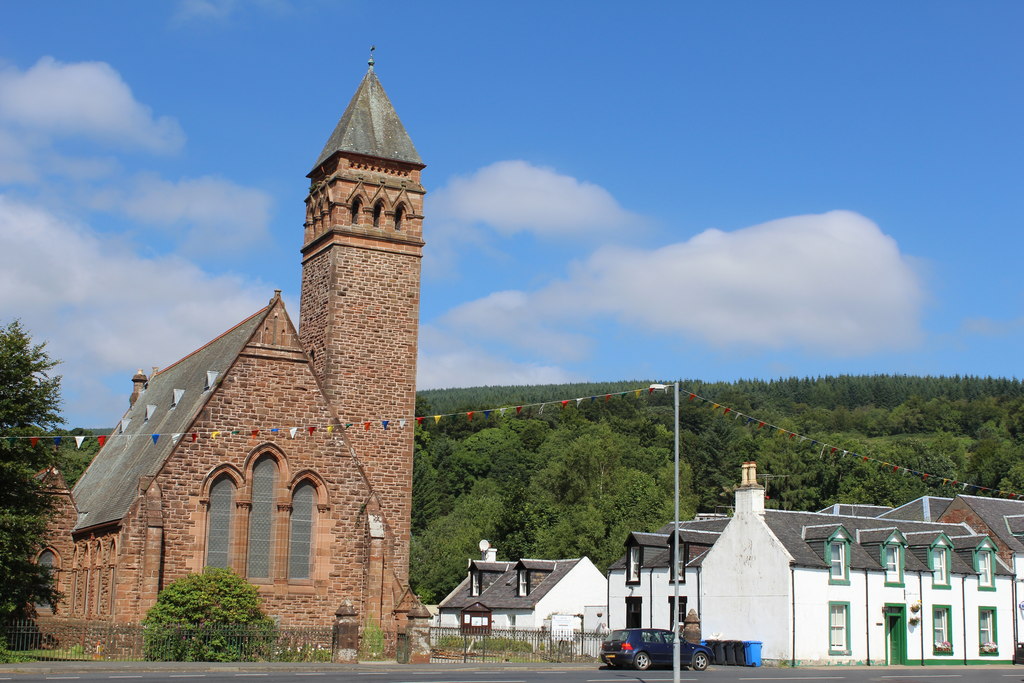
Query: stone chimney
x=750 y=494
x=138 y=385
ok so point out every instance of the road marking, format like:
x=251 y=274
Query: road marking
x=126 y=676
x=310 y=674
x=187 y=676
x=60 y=678
x=250 y=674
x=790 y=678
x=927 y=676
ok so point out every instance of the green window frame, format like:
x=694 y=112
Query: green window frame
x=940 y=567
x=942 y=630
x=838 y=551
x=892 y=563
x=988 y=636
x=985 y=565
x=839 y=628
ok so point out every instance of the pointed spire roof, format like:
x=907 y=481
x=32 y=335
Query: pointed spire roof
x=370 y=126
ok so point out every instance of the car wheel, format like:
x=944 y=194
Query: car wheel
x=642 y=661
x=699 y=662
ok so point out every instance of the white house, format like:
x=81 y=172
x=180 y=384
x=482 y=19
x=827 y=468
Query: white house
x=825 y=588
x=524 y=593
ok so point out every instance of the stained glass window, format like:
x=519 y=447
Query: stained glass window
x=261 y=518
x=301 y=537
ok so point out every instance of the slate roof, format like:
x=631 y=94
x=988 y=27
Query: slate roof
x=788 y=527
x=994 y=512
x=657 y=553
x=502 y=592
x=923 y=509
x=856 y=510
x=110 y=484
x=370 y=126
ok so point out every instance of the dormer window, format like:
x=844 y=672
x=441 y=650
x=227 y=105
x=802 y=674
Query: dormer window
x=837 y=560
x=633 y=565
x=893 y=558
x=837 y=554
x=474 y=583
x=524 y=583
x=984 y=565
x=940 y=566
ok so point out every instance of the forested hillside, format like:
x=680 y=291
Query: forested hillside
x=553 y=480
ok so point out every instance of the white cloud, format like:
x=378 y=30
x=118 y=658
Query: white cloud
x=221 y=214
x=833 y=284
x=445 y=361
x=514 y=317
x=83 y=99
x=515 y=196
x=103 y=308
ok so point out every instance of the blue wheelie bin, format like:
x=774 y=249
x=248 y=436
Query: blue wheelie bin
x=752 y=652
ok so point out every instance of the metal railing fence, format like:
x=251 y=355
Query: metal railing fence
x=451 y=644
x=78 y=641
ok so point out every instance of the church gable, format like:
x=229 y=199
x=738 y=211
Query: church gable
x=166 y=407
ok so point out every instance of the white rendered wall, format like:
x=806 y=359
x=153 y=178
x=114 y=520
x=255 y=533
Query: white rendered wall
x=745 y=586
x=583 y=585
x=654 y=589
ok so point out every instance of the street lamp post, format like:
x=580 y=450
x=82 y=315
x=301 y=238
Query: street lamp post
x=674 y=570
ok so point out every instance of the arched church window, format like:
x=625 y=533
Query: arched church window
x=261 y=519
x=47 y=559
x=300 y=552
x=218 y=536
x=357 y=207
x=378 y=209
x=399 y=215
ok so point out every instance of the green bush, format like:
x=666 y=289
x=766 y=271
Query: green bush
x=505 y=645
x=210 y=617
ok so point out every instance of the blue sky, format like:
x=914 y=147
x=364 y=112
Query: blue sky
x=678 y=189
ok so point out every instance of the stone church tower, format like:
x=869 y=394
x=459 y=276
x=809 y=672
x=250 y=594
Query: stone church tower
x=360 y=288
x=283 y=455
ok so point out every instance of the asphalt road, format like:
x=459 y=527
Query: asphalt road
x=448 y=673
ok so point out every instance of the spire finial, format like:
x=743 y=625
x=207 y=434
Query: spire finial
x=371 y=62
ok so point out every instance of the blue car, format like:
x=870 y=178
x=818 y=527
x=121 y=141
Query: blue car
x=642 y=648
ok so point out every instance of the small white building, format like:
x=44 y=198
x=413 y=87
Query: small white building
x=525 y=593
x=824 y=588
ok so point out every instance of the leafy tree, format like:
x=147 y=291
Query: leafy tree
x=29 y=404
x=210 y=617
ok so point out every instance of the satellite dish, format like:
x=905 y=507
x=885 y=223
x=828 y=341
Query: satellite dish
x=484 y=545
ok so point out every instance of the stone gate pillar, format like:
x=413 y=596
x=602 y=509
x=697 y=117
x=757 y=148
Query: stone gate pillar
x=345 y=645
x=417 y=632
x=691 y=627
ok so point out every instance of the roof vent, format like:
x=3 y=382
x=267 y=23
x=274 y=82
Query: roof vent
x=150 y=409
x=178 y=393
x=211 y=379
x=124 y=424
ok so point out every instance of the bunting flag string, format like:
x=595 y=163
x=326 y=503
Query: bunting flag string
x=385 y=423
x=833 y=450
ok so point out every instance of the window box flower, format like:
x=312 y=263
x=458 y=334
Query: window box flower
x=989 y=648
x=943 y=647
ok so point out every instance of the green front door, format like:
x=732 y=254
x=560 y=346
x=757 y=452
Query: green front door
x=896 y=634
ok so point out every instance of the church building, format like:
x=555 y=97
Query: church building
x=283 y=454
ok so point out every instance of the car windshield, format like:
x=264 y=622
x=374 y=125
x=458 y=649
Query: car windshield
x=621 y=634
